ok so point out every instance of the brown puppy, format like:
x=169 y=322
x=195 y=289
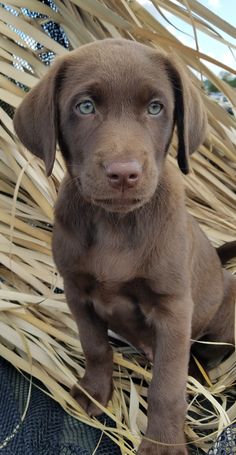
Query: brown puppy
x=132 y=258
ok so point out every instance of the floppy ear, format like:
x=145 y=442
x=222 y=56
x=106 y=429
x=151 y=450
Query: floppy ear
x=190 y=114
x=35 y=120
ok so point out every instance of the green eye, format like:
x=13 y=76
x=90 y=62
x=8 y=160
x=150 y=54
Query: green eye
x=154 y=108
x=86 y=107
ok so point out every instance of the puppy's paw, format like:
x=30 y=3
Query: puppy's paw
x=149 y=448
x=100 y=392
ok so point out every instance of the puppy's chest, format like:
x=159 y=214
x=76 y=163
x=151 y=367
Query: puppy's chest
x=112 y=274
x=110 y=263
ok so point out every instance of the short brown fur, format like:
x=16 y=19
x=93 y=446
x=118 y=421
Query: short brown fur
x=132 y=258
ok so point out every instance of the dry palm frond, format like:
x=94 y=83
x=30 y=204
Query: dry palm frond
x=38 y=334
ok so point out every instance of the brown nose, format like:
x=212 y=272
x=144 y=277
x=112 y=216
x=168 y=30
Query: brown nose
x=123 y=175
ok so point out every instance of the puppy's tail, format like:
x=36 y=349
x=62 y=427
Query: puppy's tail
x=227 y=251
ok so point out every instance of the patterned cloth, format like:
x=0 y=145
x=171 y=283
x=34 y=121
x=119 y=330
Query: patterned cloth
x=226 y=442
x=47 y=429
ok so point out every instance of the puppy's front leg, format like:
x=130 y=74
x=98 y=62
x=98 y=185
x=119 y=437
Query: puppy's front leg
x=167 y=393
x=97 y=380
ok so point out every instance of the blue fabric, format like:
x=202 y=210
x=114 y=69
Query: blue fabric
x=226 y=442
x=47 y=429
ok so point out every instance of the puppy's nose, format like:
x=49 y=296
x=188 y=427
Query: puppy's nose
x=123 y=175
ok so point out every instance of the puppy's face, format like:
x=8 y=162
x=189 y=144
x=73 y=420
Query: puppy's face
x=116 y=117
x=112 y=107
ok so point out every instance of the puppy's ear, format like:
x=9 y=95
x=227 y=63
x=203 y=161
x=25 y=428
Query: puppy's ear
x=35 y=120
x=190 y=114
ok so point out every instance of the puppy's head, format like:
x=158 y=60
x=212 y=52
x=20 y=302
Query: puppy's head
x=112 y=106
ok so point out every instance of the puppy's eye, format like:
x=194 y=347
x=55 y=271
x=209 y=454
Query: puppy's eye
x=86 y=107
x=155 y=108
